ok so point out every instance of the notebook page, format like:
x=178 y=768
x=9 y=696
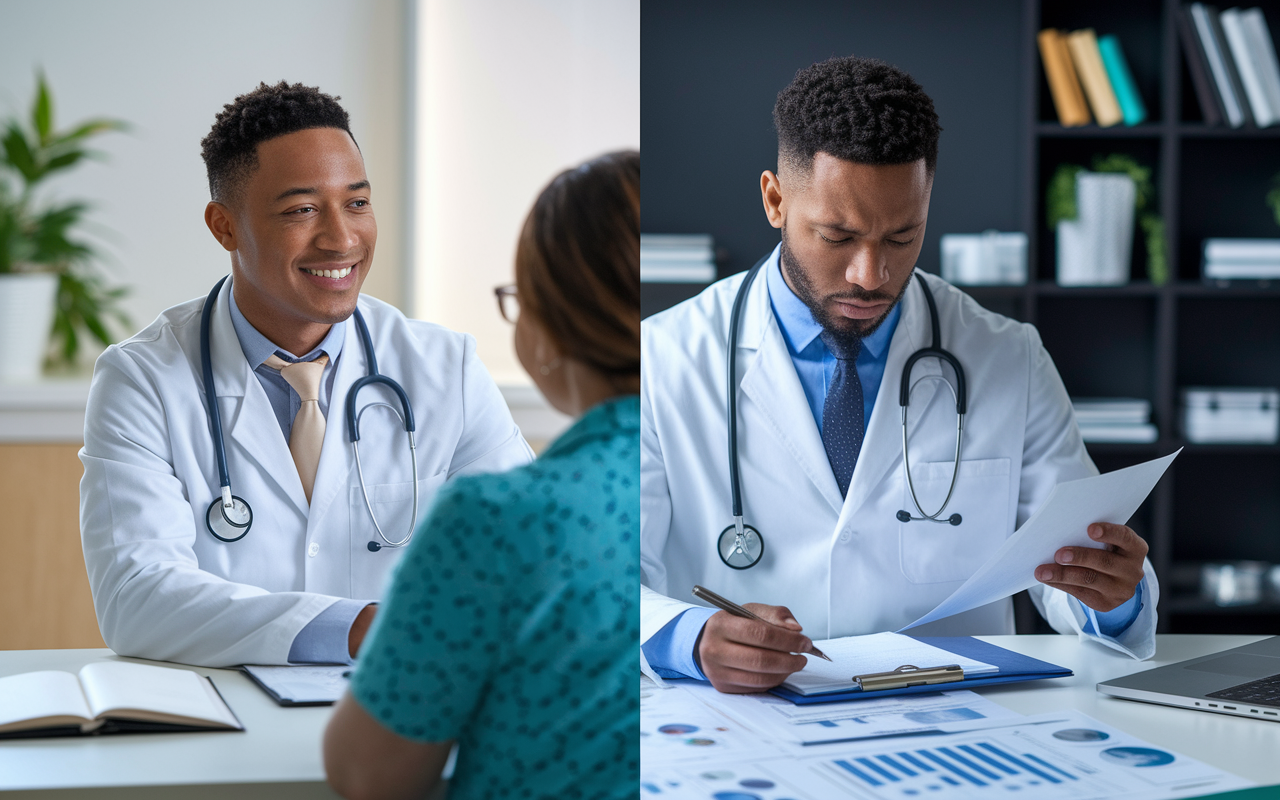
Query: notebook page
x=53 y=696
x=876 y=652
x=114 y=685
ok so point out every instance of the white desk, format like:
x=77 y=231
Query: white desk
x=277 y=757
x=1246 y=747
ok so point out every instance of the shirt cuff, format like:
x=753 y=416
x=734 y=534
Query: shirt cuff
x=670 y=650
x=1116 y=621
x=325 y=639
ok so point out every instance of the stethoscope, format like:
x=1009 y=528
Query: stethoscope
x=740 y=545
x=229 y=517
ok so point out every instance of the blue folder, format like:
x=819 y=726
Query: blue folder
x=1013 y=668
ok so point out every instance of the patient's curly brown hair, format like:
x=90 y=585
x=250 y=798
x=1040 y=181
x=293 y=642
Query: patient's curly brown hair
x=231 y=149
x=856 y=109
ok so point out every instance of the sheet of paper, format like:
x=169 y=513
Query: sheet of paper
x=784 y=721
x=863 y=655
x=676 y=728
x=1061 y=522
x=1046 y=757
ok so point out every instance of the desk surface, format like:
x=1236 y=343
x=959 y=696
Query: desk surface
x=1245 y=747
x=277 y=756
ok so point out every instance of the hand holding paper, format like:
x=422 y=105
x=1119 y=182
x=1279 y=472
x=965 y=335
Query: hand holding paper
x=1062 y=521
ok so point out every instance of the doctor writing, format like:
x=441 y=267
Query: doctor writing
x=820 y=341
x=253 y=459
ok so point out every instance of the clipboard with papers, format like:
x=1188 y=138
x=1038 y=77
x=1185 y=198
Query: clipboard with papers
x=989 y=665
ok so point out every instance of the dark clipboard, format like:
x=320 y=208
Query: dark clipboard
x=1012 y=668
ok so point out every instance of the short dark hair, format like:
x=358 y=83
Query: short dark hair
x=856 y=109
x=578 y=265
x=231 y=149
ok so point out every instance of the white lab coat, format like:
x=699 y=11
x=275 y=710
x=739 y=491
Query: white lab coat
x=847 y=566
x=163 y=587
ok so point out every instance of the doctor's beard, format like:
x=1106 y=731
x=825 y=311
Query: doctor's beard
x=843 y=329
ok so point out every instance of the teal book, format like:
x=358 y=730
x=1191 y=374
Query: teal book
x=1122 y=80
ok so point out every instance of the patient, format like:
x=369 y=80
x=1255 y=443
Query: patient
x=511 y=624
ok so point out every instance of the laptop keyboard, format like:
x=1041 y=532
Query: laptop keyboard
x=1263 y=692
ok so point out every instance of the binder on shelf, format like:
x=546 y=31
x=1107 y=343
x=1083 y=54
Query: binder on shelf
x=1263 y=50
x=1127 y=95
x=1102 y=99
x=1248 y=68
x=1064 y=85
x=1011 y=668
x=1211 y=107
x=1209 y=30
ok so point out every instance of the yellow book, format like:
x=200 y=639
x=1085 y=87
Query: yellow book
x=1064 y=86
x=1088 y=60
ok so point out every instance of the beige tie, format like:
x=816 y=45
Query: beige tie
x=307 y=437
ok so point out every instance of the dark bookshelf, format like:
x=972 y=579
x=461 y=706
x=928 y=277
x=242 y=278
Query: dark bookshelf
x=1218 y=502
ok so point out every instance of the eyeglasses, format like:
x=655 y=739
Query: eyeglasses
x=508 y=302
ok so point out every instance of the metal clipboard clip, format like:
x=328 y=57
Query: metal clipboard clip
x=909 y=675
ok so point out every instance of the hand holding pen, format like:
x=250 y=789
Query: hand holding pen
x=752 y=648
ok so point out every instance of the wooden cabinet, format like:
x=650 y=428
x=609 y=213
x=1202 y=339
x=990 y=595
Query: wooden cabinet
x=45 y=601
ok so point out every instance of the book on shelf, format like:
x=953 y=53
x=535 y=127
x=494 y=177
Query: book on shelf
x=1197 y=59
x=1114 y=419
x=1248 y=67
x=111 y=697
x=1241 y=259
x=1263 y=51
x=1221 y=67
x=1083 y=45
x=677 y=258
x=1064 y=85
x=1127 y=95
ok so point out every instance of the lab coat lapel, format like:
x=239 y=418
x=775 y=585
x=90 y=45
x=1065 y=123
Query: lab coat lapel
x=771 y=383
x=336 y=459
x=251 y=422
x=882 y=446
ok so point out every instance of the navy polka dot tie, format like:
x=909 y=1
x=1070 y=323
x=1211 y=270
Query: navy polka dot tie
x=842 y=414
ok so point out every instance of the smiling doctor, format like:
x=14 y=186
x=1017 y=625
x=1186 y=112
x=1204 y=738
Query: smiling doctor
x=271 y=551
x=834 y=535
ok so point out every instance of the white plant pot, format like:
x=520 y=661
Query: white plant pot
x=26 y=317
x=1094 y=248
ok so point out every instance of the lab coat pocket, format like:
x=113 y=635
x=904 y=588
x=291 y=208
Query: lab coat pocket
x=392 y=503
x=937 y=552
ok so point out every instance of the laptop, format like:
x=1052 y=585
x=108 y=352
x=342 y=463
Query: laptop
x=1244 y=681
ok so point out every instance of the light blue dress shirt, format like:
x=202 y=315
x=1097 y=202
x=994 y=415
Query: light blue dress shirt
x=324 y=639
x=670 y=650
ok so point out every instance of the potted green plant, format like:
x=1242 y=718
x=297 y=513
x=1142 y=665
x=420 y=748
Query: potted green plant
x=49 y=283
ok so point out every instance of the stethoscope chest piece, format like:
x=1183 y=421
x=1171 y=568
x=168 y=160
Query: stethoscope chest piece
x=228 y=523
x=740 y=551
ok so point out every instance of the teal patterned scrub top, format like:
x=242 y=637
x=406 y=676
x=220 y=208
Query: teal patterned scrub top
x=512 y=620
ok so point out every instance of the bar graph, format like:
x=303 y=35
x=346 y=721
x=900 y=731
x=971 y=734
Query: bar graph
x=972 y=769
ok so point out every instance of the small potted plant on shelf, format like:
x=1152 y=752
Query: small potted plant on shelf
x=1093 y=213
x=49 y=282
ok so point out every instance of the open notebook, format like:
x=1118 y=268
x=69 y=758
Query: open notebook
x=864 y=655
x=111 y=697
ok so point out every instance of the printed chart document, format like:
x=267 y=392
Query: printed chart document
x=111 y=697
x=1045 y=757
x=865 y=655
x=1061 y=522
x=783 y=721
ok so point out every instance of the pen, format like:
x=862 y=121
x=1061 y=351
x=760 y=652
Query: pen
x=738 y=611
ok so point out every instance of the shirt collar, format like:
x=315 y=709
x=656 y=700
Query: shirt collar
x=609 y=418
x=258 y=348
x=799 y=327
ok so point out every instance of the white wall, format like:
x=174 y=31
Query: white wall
x=508 y=94
x=168 y=67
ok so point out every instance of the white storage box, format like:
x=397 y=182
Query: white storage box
x=991 y=257
x=1239 y=415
